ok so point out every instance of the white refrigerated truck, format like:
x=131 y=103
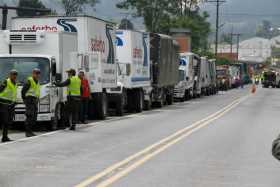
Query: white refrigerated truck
x=48 y=51
x=133 y=61
x=94 y=36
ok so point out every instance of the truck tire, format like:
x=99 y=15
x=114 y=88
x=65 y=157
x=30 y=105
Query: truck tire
x=120 y=105
x=139 y=101
x=170 y=100
x=147 y=105
x=101 y=106
x=58 y=122
x=187 y=95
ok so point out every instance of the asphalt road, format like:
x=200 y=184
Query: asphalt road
x=222 y=140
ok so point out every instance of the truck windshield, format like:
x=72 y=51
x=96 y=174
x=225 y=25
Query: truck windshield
x=181 y=75
x=24 y=66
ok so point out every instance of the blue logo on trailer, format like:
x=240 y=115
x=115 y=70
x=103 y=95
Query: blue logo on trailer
x=67 y=26
x=145 y=37
x=119 y=41
x=183 y=62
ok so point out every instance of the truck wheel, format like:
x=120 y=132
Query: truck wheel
x=139 y=105
x=120 y=105
x=169 y=99
x=58 y=118
x=147 y=105
x=102 y=106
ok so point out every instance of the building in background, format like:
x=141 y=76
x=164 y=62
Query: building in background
x=255 y=50
x=183 y=37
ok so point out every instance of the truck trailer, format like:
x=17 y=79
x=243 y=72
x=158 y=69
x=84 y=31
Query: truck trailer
x=94 y=36
x=205 y=77
x=132 y=54
x=197 y=91
x=213 y=77
x=164 y=59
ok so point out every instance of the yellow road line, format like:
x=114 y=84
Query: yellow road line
x=152 y=150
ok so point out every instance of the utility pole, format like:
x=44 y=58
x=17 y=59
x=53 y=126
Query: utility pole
x=237 y=43
x=237 y=49
x=6 y=8
x=231 y=40
x=218 y=3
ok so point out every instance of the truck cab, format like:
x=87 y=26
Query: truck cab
x=184 y=89
x=223 y=77
x=49 y=52
x=24 y=64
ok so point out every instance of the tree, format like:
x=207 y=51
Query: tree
x=266 y=30
x=73 y=7
x=30 y=4
x=126 y=24
x=199 y=26
x=161 y=15
x=152 y=11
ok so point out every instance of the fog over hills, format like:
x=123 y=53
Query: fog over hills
x=241 y=15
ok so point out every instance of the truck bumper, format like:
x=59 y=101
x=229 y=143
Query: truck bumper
x=40 y=118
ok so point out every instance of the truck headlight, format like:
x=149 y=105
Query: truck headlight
x=45 y=100
x=44 y=108
x=45 y=104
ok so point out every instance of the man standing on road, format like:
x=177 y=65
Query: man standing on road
x=8 y=96
x=84 y=97
x=30 y=94
x=74 y=89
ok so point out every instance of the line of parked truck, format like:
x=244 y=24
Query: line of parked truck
x=127 y=70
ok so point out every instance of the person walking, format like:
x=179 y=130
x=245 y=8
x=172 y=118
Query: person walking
x=74 y=90
x=8 y=96
x=30 y=94
x=85 y=96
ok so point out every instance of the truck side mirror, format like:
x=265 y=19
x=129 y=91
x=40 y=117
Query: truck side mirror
x=187 y=78
x=128 y=69
x=53 y=69
x=58 y=77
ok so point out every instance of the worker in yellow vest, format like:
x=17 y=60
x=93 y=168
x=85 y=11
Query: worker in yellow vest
x=31 y=94
x=74 y=91
x=8 y=96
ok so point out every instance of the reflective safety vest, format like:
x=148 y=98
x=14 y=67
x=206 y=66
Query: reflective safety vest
x=10 y=92
x=34 y=89
x=74 y=88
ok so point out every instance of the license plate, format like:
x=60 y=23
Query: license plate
x=20 y=117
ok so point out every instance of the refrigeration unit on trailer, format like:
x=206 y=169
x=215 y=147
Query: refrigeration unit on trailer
x=48 y=51
x=184 y=89
x=132 y=54
x=164 y=58
x=96 y=43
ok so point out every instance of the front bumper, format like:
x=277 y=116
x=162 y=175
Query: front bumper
x=40 y=118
